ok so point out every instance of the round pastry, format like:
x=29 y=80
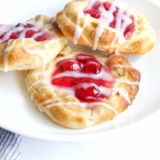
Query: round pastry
x=30 y=44
x=106 y=25
x=78 y=89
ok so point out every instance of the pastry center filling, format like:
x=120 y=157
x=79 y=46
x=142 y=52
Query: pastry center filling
x=87 y=78
x=112 y=16
x=23 y=30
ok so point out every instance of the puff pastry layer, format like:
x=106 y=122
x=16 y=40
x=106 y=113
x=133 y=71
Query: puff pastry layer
x=84 y=29
x=65 y=109
x=27 y=53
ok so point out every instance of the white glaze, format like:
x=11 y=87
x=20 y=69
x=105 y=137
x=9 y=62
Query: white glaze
x=107 y=17
x=127 y=81
x=41 y=53
x=79 y=29
x=83 y=105
x=103 y=90
x=103 y=74
x=98 y=32
x=122 y=93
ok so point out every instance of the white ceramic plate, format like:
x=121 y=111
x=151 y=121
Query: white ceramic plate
x=18 y=112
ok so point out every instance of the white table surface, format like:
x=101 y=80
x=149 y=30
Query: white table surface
x=139 y=141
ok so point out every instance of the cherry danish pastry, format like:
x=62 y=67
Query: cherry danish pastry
x=78 y=89
x=30 y=44
x=106 y=25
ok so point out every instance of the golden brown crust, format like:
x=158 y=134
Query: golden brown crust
x=69 y=113
x=22 y=54
x=141 y=41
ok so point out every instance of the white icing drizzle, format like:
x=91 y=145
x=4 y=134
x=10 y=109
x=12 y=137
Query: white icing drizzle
x=117 y=53
x=103 y=74
x=122 y=93
x=118 y=65
x=107 y=17
x=98 y=32
x=79 y=29
x=39 y=52
x=36 y=59
x=103 y=90
x=83 y=105
x=128 y=82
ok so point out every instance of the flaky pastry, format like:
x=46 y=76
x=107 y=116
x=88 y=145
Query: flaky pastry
x=78 y=89
x=106 y=25
x=30 y=44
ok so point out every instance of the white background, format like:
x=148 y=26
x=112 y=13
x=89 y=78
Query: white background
x=137 y=142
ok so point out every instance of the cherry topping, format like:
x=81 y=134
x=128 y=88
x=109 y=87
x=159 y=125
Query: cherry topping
x=28 y=29
x=69 y=64
x=87 y=90
x=83 y=58
x=14 y=35
x=64 y=82
x=95 y=12
x=45 y=36
x=2 y=35
x=28 y=25
x=30 y=33
x=19 y=24
x=107 y=5
x=92 y=66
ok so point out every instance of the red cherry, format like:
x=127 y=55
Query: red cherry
x=94 y=13
x=28 y=25
x=107 y=5
x=19 y=24
x=30 y=33
x=87 y=91
x=83 y=58
x=69 y=64
x=45 y=36
x=64 y=82
x=129 y=29
x=93 y=66
x=106 y=84
x=2 y=35
x=14 y=35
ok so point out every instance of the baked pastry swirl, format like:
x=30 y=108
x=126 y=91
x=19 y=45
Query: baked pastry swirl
x=106 y=25
x=30 y=44
x=78 y=89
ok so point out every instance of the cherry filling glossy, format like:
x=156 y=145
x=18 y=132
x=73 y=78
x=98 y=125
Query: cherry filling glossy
x=93 y=66
x=23 y=31
x=78 y=75
x=95 y=12
x=69 y=64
